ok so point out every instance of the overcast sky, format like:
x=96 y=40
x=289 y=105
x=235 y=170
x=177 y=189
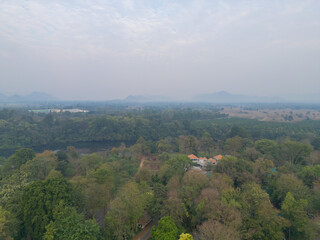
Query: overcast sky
x=105 y=49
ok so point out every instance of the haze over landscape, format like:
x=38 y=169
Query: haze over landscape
x=159 y=120
x=103 y=50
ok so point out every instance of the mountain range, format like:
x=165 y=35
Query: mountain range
x=217 y=97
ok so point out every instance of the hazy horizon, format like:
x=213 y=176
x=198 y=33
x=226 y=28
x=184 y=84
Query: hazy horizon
x=103 y=50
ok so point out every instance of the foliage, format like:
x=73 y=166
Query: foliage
x=295 y=212
x=309 y=175
x=125 y=211
x=38 y=202
x=294 y=152
x=269 y=160
x=166 y=230
x=6 y=227
x=316 y=143
x=159 y=196
x=68 y=224
x=267 y=147
x=15 y=161
x=176 y=165
x=260 y=219
x=214 y=230
x=285 y=183
x=236 y=145
x=90 y=161
x=185 y=236
x=239 y=170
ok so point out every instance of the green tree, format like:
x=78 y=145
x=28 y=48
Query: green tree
x=295 y=212
x=98 y=190
x=68 y=224
x=262 y=170
x=188 y=145
x=140 y=148
x=5 y=225
x=267 y=147
x=176 y=165
x=90 y=162
x=185 y=236
x=15 y=161
x=260 y=219
x=238 y=131
x=39 y=167
x=239 y=170
x=316 y=143
x=236 y=145
x=166 y=230
x=192 y=183
x=206 y=143
x=163 y=146
x=125 y=211
x=279 y=187
x=38 y=201
x=294 y=152
x=62 y=156
x=175 y=208
x=159 y=196
x=309 y=175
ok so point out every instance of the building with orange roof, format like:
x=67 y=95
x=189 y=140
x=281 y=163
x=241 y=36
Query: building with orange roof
x=218 y=157
x=192 y=157
x=213 y=161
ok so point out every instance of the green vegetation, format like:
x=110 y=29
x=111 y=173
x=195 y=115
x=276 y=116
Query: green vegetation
x=266 y=186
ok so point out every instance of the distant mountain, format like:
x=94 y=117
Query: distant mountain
x=32 y=97
x=39 y=97
x=146 y=98
x=225 y=97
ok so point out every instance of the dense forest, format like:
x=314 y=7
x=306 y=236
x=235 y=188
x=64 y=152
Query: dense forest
x=20 y=128
x=266 y=186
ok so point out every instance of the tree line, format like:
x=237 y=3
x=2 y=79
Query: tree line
x=24 y=129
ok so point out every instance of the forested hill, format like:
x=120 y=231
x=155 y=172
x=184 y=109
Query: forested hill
x=20 y=128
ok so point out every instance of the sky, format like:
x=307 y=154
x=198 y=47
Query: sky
x=109 y=49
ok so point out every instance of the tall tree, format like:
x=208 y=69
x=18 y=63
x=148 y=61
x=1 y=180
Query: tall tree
x=166 y=230
x=294 y=152
x=295 y=212
x=125 y=211
x=6 y=225
x=236 y=145
x=260 y=219
x=267 y=147
x=15 y=161
x=206 y=143
x=38 y=202
x=68 y=224
x=280 y=186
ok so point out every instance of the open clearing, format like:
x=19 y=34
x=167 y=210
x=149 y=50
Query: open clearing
x=276 y=115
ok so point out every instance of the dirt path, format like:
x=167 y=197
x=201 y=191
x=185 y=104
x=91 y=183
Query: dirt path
x=145 y=234
x=141 y=163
